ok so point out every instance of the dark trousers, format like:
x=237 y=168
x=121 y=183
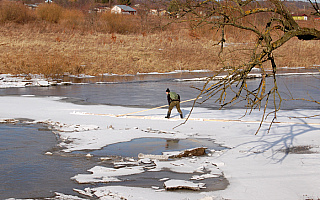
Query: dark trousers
x=174 y=104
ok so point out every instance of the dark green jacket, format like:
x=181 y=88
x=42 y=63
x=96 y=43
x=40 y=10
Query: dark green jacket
x=170 y=100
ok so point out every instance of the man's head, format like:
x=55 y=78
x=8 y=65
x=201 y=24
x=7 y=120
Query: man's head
x=168 y=90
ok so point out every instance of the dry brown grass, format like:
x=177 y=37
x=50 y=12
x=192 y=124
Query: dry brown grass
x=38 y=50
x=79 y=43
x=296 y=53
x=49 y=50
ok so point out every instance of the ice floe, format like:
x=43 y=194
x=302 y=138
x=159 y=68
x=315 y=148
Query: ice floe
x=256 y=166
x=182 y=184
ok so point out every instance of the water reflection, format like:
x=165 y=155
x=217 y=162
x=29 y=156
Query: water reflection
x=172 y=144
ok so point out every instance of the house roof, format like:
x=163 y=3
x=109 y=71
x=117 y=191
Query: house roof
x=126 y=8
x=299 y=15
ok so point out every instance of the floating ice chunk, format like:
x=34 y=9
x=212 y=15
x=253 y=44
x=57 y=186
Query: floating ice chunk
x=101 y=193
x=89 y=155
x=86 y=192
x=28 y=95
x=49 y=153
x=155 y=187
x=65 y=83
x=182 y=184
x=43 y=83
x=146 y=161
x=103 y=174
x=164 y=179
x=105 y=158
x=204 y=176
x=131 y=160
x=60 y=196
x=155 y=157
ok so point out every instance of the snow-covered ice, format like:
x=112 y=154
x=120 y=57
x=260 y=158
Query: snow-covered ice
x=257 y=166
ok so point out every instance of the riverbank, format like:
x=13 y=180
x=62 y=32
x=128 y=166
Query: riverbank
x=267 y=166
x=52 y=50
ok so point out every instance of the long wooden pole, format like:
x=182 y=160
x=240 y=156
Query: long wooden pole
x=155 y=107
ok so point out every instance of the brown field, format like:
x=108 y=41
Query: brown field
x=27 y=49
x=79 y=43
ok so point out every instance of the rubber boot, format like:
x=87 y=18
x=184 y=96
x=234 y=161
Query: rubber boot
x=181 y=116
x=168 y=115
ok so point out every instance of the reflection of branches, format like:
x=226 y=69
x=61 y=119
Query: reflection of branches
x=280 y=28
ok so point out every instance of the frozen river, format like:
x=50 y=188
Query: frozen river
x=27 y=173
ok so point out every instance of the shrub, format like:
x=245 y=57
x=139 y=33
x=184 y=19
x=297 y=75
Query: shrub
x=15 y=12
x=72 y=18
x=50 y=12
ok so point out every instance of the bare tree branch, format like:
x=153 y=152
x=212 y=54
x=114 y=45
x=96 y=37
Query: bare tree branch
x=280 y=28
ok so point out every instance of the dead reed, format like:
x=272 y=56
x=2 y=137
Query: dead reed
x=37 y=51
x=79 y=43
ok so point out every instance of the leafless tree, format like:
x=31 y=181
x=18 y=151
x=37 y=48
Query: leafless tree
x=279 y=28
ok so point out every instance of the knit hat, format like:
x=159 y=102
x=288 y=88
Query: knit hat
x=168 y=90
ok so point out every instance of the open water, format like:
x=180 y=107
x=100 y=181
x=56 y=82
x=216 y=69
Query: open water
x=149 y=90
x=25 y=170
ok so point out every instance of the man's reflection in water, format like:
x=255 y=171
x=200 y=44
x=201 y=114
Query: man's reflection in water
x=172 y=144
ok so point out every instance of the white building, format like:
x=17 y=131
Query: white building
x=123 y=9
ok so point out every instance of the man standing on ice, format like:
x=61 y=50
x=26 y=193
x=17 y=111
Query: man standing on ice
x=173 y=101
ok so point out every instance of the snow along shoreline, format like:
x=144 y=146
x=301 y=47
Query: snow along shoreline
x=34 y=80
x=262 y=166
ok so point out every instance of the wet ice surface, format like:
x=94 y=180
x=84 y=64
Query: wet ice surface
x=25 y=170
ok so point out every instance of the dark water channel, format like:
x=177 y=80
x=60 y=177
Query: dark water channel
x=149 y=90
